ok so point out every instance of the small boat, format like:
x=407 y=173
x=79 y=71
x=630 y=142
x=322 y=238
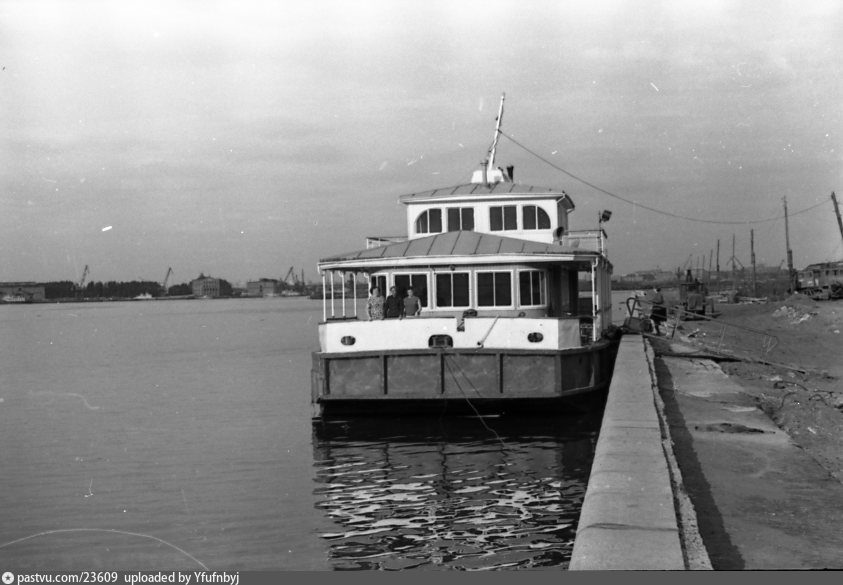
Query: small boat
x=515 y=307
x=16 y=298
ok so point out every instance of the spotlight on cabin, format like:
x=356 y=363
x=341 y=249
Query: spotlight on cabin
x=605 y=215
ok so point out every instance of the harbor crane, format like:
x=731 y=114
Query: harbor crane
x=80 y=286
x=167 y=278
x=290 y=279
x=82 y=280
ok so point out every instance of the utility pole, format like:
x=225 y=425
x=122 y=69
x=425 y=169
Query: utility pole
x=790 y=279
x=752 y=255
x=837 y=213
x=710 y=256
x=718 y=265
x=734 y=279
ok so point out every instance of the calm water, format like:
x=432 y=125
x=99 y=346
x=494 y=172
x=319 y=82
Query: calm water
x=177 y=434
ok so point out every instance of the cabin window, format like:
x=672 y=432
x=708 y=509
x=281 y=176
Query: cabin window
x=378 y=281
x=494 y=289
x=531 y=288
x=503 y=217
x=418 y=282
x=452 y=289
x=535 y=218
x=460 y=218
x=429 y=222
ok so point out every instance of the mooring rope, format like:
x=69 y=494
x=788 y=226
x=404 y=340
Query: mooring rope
x=465 y=396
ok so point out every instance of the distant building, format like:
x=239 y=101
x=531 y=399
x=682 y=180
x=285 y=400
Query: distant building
x=265 y=287
x=647 y=276
x=205 y=286
x=21 y=292
x=821 y=274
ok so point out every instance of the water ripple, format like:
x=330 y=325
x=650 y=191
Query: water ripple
x=465 y=502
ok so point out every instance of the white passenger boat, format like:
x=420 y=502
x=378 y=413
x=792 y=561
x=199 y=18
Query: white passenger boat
x=515 y=308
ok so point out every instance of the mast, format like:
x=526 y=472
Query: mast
x=488 y=174
x=490 y=161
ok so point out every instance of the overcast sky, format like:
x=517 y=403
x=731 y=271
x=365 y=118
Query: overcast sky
x=242 y=138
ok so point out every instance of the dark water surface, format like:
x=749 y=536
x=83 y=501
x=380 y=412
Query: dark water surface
x=152 y=435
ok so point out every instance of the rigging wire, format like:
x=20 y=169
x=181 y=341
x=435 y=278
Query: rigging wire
x=653 y=209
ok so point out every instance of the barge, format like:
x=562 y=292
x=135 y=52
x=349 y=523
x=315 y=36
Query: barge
x=515 y=308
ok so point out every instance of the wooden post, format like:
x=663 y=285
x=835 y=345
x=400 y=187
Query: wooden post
x=790 y=279
x=837 y=213
x=734 y=278
x=717 y=266
x=710 y=256
x=752 y=256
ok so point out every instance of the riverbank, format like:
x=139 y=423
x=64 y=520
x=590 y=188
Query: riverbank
x=801 y=386
x=760 y=441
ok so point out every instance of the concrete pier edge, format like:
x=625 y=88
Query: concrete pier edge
x=693 y=548
x=636 y=514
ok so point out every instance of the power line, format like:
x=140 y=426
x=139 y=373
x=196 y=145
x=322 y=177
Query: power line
x=648 y=208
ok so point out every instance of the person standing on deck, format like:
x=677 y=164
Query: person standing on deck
x=659 y=312
x=393 y=306
x=374 y=306
x=412 y=304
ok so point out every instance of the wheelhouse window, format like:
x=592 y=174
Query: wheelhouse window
x=452 y=289
x=535 y=218
x=429 y=222
x=418 y=282
x=503 y=217
x=531 y=288
x=460 y=218
x=494 y=289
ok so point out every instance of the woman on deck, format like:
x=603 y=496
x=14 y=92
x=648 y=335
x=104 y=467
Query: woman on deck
x=374 y=306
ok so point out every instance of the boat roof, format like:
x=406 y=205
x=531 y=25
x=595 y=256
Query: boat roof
x=470 y=190
x=458 y=247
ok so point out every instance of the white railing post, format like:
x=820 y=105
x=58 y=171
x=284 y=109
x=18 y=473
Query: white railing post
x=343 y=293
x=354 y=284
x=324 y=301
x=332 y=293
x=594 y=298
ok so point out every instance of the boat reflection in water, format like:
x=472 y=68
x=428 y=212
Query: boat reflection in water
x=453 y=493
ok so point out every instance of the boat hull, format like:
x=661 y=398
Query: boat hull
x=480 y=381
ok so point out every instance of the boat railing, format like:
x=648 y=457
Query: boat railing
x=588 y=240
x=710 y=334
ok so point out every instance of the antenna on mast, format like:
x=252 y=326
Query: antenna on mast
x=488 y=173
x=490 y=160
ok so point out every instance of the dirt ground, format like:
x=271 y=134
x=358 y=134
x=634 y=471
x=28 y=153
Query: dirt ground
x=788 y=356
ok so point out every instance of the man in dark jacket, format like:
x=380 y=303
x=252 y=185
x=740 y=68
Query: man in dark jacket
x=659 y=312
x=394 y=306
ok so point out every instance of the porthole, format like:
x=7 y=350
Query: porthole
x=348 y=340
x=440 y=341
x=535 y=337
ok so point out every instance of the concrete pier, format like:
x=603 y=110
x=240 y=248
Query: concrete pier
x=690 y=474
x=762 y=502
x=628 y=519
